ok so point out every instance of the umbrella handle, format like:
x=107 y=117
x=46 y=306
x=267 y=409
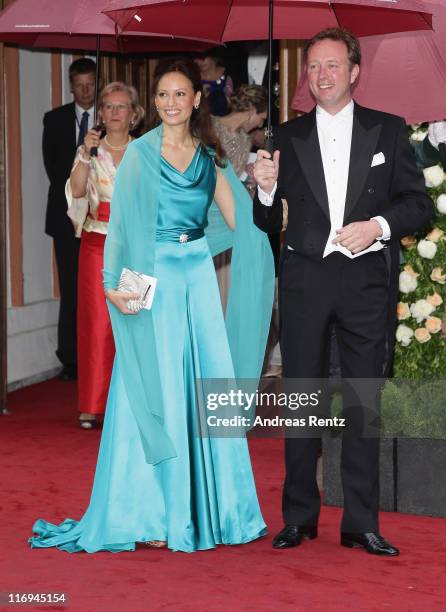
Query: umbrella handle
x=268 y=145
x=268 y=129
x=94 y=150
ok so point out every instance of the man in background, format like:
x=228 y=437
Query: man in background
x=432 y=149
x=64 y=129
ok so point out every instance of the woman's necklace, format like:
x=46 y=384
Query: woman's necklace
x=120 y=148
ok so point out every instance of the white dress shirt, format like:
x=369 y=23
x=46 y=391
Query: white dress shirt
x=335 y=136
x=256 y=68
x=79 y=112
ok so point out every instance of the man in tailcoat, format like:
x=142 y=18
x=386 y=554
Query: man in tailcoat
x=348 y=179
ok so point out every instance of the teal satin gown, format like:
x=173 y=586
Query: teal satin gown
x=206 y=494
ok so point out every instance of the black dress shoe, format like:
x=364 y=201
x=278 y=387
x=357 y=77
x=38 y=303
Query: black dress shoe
x=374 y=543
x=67 y=373
x=292 y=535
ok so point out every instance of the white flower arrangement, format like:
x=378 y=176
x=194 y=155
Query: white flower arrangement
x=408 y=283
x=441 y=203
x=404 y=334
x=421 y=310
x=420 y=347
x=433 y=176
x=427 y=249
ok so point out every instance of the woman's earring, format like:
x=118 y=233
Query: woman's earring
x=196 y=106
x=132 y=123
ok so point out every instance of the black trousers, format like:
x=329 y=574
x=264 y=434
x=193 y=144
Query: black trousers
x=67 y=255
x=352 y=294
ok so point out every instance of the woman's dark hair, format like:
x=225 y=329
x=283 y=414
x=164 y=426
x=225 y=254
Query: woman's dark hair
x=200 y=122
x=217 y=54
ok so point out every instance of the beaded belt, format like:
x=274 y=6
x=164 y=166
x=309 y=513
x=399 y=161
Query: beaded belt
x=176 y=235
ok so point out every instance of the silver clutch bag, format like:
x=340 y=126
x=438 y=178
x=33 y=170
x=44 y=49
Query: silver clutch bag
x=143 y=285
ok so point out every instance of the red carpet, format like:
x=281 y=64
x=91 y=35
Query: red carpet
x=47 y=466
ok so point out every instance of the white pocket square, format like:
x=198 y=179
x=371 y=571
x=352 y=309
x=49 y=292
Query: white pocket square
x=378 y=159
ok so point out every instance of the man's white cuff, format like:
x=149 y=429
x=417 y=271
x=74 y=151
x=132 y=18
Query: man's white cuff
x=266 y=199
x=386 y=234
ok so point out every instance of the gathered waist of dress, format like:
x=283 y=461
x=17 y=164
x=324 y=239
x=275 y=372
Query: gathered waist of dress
x=102 y=213
x=179 y=235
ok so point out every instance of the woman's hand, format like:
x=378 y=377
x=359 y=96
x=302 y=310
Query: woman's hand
x=120 y=299
x=91 y=140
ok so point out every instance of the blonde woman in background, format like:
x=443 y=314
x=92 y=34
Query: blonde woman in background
x=239 y=132
x=236 y=132
x=89 y=191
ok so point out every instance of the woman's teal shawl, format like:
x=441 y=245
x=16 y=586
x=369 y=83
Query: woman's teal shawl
x=130 y=243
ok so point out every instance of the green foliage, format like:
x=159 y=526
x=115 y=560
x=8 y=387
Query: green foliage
x=414 y=409
x=409 y=409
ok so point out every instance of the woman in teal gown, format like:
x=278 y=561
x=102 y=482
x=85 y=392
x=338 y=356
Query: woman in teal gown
x=156 y=480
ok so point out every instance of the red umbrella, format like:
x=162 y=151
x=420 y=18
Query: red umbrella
x=227 y=20
x=75 y=24
x=400 y=74
x=80 y=24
